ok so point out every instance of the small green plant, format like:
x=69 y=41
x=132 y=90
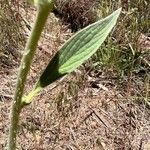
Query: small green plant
x=71 y=55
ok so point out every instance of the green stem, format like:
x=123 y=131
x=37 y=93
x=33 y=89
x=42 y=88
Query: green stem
x=26 y=100
x=41 y=17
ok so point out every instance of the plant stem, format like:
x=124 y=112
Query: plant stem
x=41 y=17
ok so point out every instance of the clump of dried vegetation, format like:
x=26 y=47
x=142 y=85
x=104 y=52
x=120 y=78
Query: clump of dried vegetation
x=106 y=111
x=77 y=13
x=12 y=33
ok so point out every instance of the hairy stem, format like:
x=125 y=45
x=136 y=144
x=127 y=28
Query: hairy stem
x=41 y=17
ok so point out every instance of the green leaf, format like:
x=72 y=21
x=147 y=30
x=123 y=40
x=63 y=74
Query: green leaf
x=76 y=50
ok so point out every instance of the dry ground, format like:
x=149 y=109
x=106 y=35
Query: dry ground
x=94 y=111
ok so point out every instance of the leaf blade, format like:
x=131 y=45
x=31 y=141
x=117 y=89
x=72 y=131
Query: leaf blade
x=78 y=49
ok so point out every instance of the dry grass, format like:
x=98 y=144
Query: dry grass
x=91 y=109
x=12 y=34
x=76 y=13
